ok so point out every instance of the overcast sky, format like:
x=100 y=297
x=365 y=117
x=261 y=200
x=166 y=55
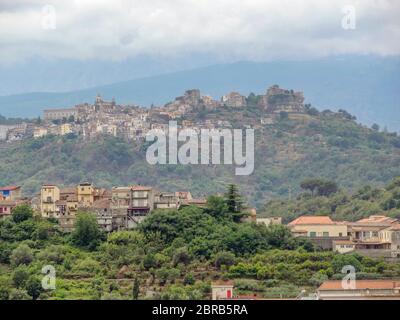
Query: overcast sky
x=235 y=29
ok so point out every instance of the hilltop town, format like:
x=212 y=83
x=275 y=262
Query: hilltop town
x=132 y=122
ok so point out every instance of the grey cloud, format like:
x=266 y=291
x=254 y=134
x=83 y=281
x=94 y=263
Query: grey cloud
x=254 y=29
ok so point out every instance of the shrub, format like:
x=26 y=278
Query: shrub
x=21 y=255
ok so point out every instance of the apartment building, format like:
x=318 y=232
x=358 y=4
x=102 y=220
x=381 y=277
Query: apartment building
x=85 y=193
x=135 y=202
x=166 y=200
x=49 y=195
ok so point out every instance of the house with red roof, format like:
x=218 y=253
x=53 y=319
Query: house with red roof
x=359 y=290
x=10 y=193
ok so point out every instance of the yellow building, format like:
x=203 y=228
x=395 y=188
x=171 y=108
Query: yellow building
x=269 y=221
x=317 y=226
x=65 y=128
x=85 y=192
x=39 y=132
x=49 y=195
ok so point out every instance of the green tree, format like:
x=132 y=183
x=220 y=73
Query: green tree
x=21 y=213
x=20 y=276
x=189 y=279
x=323 y=187
x=234 y=202
x=34 y=287
x=311 y=185
x=216 y=206
x=5 y=287
x=19 y=294
x=181 y=256
x=21 y=255
x=327 y=188
x=224 y=258
x=136 y=289
x=339 y=261
x=279 y=236
x=87 y=233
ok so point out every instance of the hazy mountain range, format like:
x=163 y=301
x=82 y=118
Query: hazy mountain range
x=366 y=86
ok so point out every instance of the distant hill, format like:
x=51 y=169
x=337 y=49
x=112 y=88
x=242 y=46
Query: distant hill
x=365 y=86
x=287 y=152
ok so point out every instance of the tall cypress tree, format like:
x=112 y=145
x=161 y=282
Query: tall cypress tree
x=136 y=289
x=234 y=202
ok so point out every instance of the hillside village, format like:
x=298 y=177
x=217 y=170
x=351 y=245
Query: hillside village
x=132 y=122
x=124 y=207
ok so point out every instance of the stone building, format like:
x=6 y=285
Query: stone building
x=277 y=100
x=59 y=114
x=234 y=100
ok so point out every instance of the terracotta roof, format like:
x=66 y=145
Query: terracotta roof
x=9 y=188
x=395 y=227
x=102 y=204
x=361 y=284
x=311 y=220
x=8 y=203
x=141 y=188
x=197 y=201
x=72 y=198
x=68 y=190
x=377 y=219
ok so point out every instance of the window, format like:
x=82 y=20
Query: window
x=325 y=234
x=313 y=234
x=340 y=234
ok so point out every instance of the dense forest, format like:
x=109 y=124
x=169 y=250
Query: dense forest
x=327 y=145
x=173 y=254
